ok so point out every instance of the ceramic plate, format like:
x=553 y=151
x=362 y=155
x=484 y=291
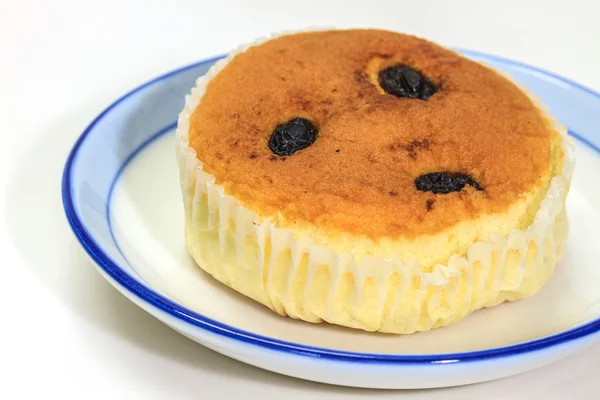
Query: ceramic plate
x=121 y=195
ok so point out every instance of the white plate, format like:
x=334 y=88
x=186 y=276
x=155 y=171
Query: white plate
x=122 y=197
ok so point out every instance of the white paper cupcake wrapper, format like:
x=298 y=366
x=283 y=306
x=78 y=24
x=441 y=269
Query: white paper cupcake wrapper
x=301 y=279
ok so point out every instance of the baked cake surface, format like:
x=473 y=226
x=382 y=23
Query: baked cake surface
x=357 y=180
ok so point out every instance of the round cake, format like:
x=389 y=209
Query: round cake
x=371 y=179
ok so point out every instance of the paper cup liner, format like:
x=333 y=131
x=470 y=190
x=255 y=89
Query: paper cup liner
x=304 y=280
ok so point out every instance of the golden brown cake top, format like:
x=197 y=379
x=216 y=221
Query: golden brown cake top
x=371 y=146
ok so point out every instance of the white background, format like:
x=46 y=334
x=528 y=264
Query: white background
x=66 y=332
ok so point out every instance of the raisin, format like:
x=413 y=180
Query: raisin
x=403 y=81
x=294 y=135
x=444 y=182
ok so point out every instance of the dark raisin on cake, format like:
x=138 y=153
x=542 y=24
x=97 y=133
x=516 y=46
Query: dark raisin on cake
x=403 y=81
x=444 y=182
x=292 y=136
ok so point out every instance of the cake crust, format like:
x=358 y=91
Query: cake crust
x=358 y=177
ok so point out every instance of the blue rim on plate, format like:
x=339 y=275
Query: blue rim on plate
x=178 y=311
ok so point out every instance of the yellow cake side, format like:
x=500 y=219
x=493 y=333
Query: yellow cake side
x=314 y=283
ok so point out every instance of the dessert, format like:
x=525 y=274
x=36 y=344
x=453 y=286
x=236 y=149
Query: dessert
x=371 y=179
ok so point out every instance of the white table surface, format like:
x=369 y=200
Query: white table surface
x=65 y=331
